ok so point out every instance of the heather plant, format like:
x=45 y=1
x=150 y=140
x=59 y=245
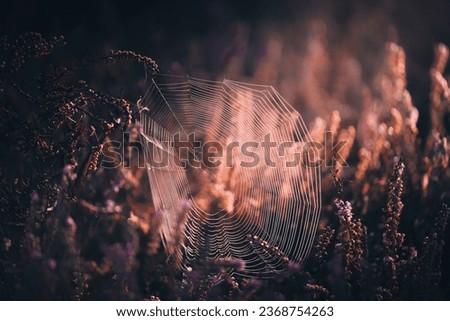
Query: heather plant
x=53 y=136
x=71 y=229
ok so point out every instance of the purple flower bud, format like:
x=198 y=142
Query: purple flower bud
x=109 y=205
x=51 y=264
x=186 y=204
x=344 y=210
x=293 y=266
x=35 y=254
x=7 y=243
x=35 y=197
x=71 y=223
x=238 y=265
x=67 y=169
x=215 y=280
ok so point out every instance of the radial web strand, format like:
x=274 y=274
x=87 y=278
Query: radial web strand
x=263 y=213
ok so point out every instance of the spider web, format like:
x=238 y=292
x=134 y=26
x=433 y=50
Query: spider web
x=263 y=215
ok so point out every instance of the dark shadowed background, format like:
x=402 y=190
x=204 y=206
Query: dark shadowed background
x=201 y=38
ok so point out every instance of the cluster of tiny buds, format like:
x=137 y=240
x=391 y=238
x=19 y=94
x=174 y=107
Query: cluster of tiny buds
x=344 y=210
x=128 y=55
x=254 y=239
x=29 y=45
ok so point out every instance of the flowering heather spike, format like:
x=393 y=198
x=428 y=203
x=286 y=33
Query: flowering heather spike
x=321 y=255
x=392 y=238
x=229 y=263
x=318 y=292
x=440 y=90
x=344 y=212
x=338 y=183
x=320 y=250
x=352 y=237
x=15 y=53
x=128 y=55
x=430 y=258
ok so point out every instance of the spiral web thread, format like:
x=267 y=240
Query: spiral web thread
x=262 y=216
